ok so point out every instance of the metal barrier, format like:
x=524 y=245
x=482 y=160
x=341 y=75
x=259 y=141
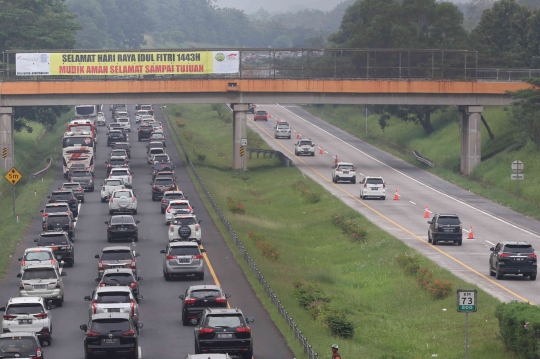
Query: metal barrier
x=43 y=171
x=422 y=159
x=308 y=349
x=286 y=161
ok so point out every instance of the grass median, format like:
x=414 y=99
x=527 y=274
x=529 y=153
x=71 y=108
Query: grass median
x=301 y=237
x=31 y=152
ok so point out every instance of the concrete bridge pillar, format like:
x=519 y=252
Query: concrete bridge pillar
x=6 y=137
x=239 y=131
x=471 y=140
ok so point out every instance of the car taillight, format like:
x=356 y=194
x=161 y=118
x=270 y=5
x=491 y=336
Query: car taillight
x=171 y=257
x=132 y=304
x=130 y=333
x=90 y=333
x=198 y=256
x=436 y=229
x=169 y=209
x=9 y=317
x=206 y=330
x=80 y=189
x=133 y=285
x=505 y=255
x=45 y=214
x=221 y=300
x=190 y=301
x=41 y=315
x=46 y=226
x=171 y=188
x=156 y=188
x=100 y=265
x=70 y=226
x=384 y=185
x=21 y=285
x=365 y=185
x=102 y=284
x=23 y=263
x=132 y=265
x=133 y=199
x=163 y=201
x=171 y=228
x=243 y=330
x=196 y=227
x=94 y=306
x=531 y=256
x=110 y=199
x=39 y=354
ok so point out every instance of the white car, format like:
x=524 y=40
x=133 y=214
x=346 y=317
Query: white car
x=185 y=227
x=304 y=146
x=139 y=115
x=282 y=129
x=109 y=186
x=124 y=174
x=28 y=314
x=124 y=121
x=119 y=152
x=343 y=171
x=122 y=201
x=112 y=300
x=42 y=280
x=154 y=151
x=177 y=206
x=160 y=157
x=373 y=187
x=38 y=255
x=100 y=119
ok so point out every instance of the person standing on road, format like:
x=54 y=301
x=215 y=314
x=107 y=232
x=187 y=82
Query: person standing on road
x=335 y=353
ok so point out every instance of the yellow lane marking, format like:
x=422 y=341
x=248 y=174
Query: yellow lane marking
x=394 y=223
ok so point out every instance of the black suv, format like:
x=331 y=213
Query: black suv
x=445 y=227
x=85 y=178
x=144 y=131
x=512 y=258
x=162 y=185
x=114 y=136
x=65 y=196
x=115 y=162
x=76 y=188
x=60 y=221
x=223 y=330
x=61 y=245
x=200 y=297
x=111 y=334
x=123 y=146
x=122 y=227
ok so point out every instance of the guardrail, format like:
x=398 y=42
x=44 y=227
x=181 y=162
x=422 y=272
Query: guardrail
x=423 y=159
x=43 y=171
x=286 y=161
x=308 y=348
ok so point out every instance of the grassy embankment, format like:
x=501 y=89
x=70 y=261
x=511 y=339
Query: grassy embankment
x=491 y=179
x=393 y=317
x=31 y=152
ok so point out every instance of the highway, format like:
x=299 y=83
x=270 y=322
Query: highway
x=417 y=189
x=163 y=335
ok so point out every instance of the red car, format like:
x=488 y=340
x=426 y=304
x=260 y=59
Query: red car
x=261 y=115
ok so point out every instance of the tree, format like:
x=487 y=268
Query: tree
x=46 y=115
x=526 y=111
x=282 y=41
x=533 y=40
x=134 y=22
x=409 y=113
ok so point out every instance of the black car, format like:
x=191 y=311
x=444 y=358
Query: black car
x=61 y=245
x=61 y=221
x=512 y=258
x=114 y=136
x=162 y=185
x=200 y=297
x=65 y=196
x=445 y=227
x=119 y=277
x=76 y=188
x=85 y=178
x=123 y=146
x=170 y=196
x=144 y=131
x=223 y=330
x=116 y=161
x=111 y=335
x=122 y=227
x=22 y=345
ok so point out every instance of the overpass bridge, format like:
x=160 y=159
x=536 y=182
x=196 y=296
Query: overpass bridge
x=313 y=76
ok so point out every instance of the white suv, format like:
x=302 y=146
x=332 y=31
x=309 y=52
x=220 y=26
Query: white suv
x=373 y=187
x=185 y=228
x=123 y=200
x=344 y=171
x=124 y=121
x=124 y=174
x=28 y=314
x=282 y=129
x=177 y=206
x=304 y=146
x=41 y=280
x=114 y=299
x=109 y=186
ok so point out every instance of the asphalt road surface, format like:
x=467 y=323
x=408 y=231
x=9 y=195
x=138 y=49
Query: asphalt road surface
x=417 y=189
x=163 y=335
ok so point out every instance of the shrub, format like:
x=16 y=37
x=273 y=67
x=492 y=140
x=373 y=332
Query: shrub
x=519 y=324
x=201 y=157
x=318 y=310
x=424 y=278
x=306 y=191
x=267 y=250
x=339 y=324
x=180 y=123
x=235 y=206
x=178 y=37
x=350 y=227
x=188 y=135
x=409 y=263
x=306 y=294
x=440 y=289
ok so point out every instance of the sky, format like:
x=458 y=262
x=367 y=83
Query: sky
x=251 y=6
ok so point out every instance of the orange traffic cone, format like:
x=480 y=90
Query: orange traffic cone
x=336 y=160
x=320 y=151
x=297 y=134
x=471 y=235
x=426 y=213
x=396 y=196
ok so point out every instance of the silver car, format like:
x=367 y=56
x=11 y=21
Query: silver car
x=117 y=257
x=117 y=299
x=183 y=258
x=109 y=186
x=44 y=281
x=38 y=255
x=28 y=314
x=124 y=174
x=123 y=201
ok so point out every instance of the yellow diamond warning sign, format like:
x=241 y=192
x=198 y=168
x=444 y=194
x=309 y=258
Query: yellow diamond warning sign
x=13 y=176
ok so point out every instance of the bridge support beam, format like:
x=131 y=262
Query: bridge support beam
x=471 y=140
x=239 y=131
x=6 y=137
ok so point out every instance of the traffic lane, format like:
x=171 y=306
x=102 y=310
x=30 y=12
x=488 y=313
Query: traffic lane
x=405 y=216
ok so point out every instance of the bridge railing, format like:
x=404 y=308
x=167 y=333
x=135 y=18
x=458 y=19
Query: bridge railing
x=256 y=63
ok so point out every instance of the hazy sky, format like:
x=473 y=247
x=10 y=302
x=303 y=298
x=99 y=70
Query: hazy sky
x=251 y=6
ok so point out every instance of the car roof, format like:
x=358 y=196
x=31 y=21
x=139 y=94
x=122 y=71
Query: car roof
x=38 y=249
x=447 y=215
x=207 y=286
x=179 y=201
x=56 y=204
x=118 y=270
x=519 y=243
x=183 y=244
x=373 y=177
x=40 y=266
x=20 y=334
x=305 y=139
x=51 y=233
x=208 y=356
x=118 y=315
x=120 y=143
x=223 y=311
x=173 y=192
x=116 y=288
x=115 y=248
x=345 y=163
x=65 y=183
x=122 y=216
x=17 y=300
x=185 y=215
x=118 y=169
x=62 y=191
x=117 y=157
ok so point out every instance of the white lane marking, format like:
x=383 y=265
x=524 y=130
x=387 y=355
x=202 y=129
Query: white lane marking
x=326 y=152
x=465 y=230
x=78 y=214
x=411 y=201
x=489 y=242
x=361 y=174
x=418 y=181
x=139 y=353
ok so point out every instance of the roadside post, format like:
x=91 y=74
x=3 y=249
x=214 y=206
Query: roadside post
x=243 y=144
x=466 y=303
x=517 y=166
x=13 y=176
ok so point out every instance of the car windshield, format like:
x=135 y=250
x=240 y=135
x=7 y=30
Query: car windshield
x=155 y=124
x=59 y=221
x=81 y=174
x=121 y=113
x=142 y=112
x=374 y=181
x=261 y=113
x=72 y=141
x=119 y=255
x=25 y=308
x=205 y=293
x=181 y=205
x=120 y=152
x=283 y=127
x=55 y=209
x=448 y=221
x=118 y=162
x=346 y=167
x=173 y=196
x=119 y=173
x=113 y=183
x=156 y=151
x=122 y=220
x=118 y=278
x=224 y=321
x=71 y=185
x=305 y=143
x=38 y=256
x=184 y=251
x=110 y=326
x=52 y=240
x=115 y=133
x=62 y=196
x=118 y=194
x=17 y=344
x=123 y=120
x=518 y=248
x=184 y=221
x=123 y=146
x=113 y=297
x=163 y=181
x=39 y=273
x=157 y=136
